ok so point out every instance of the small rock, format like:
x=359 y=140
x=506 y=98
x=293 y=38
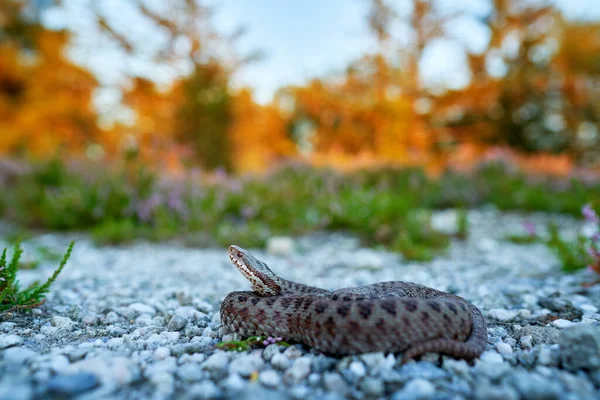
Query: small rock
x=299 y=392
x=372 y=386
x=539 y=334
x=580 y=347
x=216 y=362
x=417 y=388
x=204 y=390
x=70 y=385
x=562 y=323
x=234 y=383
x=298 y=371
x=493 y=392
x=534 y=386
x=269 y=378
x=177 y=322
x=357 y=369
x=142 y=308
x=504 y=349
x=333 y=382
x=546 y=356
x=246 y=364
x=292 y=353
x=9 y=340
x=111 y=317
x=280 y=245
x=161 y=353
x=526 y=342
x=270 y=351
x=76 y=312
x=503 y=315
x=190 y=372
x=493 y=371
x=491 y=357
x=17 y=355
x=588 y=308
x=280 y=361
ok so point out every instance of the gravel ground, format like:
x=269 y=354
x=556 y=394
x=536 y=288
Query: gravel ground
x=142 y=322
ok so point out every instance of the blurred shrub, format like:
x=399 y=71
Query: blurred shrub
x=385 y=206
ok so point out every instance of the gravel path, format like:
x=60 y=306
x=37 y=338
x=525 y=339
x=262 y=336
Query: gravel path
x=142 y=321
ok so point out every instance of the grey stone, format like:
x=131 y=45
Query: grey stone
x=424 y=370
x=269 y=378
x=9 y=340
x=495 y=392
x=417 y=388
x=534 y=386
x=580 y=347
x=270 y=351
x=74 y=384
x=333 y=382
x=372 y=386
x=177 y=323
x=17 y=355
x=234 y=383
x=298 y=371
x=280 y=361
x=539 y=334
x=216 y=362
x=190 y=372
x=246 y=364
x=205 y=390
x=503 y=315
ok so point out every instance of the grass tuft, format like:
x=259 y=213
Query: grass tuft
x=12 y=298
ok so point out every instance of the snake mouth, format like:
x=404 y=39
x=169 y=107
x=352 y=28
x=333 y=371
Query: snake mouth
x=242 y=267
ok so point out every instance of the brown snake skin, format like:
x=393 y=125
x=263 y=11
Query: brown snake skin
x=388 y=316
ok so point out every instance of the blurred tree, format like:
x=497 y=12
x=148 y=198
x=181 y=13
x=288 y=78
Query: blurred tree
x=534 y=88
x=45 y=100
x=205 y=116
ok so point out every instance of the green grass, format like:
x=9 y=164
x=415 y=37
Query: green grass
x=389 y=206
x=572 y=254
x=12 y=297
x=522 y=239
x=248 y=343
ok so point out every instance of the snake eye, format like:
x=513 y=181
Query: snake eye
x=240 y=254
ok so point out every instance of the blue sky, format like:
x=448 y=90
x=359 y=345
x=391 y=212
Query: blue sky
x=300 y=39
x=307 y=38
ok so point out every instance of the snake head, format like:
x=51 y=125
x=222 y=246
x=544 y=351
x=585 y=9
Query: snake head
x=263 y=280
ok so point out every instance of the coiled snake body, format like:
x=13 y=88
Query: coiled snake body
x=388 y=316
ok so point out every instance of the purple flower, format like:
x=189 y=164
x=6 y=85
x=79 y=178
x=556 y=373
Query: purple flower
x=589 y=214
x=529 y=227
x=145 y=210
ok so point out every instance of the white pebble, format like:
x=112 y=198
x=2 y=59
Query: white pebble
x=419 y=388
x=562 y=323
x=61 y=322
x=358 y=369
x=504 y=349
x=269 y=378
x=280 y=361
x=491 y=357
x=588 y=308
x=526 y=342
x=162 y=353
x=503 y=315
x=10 y=340
x=142 y=308
x=280 y=245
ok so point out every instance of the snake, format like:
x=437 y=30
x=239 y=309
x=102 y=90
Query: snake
x=389 y=317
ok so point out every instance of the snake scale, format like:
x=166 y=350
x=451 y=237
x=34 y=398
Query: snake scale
x=387 y=317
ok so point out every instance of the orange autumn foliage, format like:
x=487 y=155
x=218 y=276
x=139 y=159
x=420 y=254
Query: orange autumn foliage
x=45 y=100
